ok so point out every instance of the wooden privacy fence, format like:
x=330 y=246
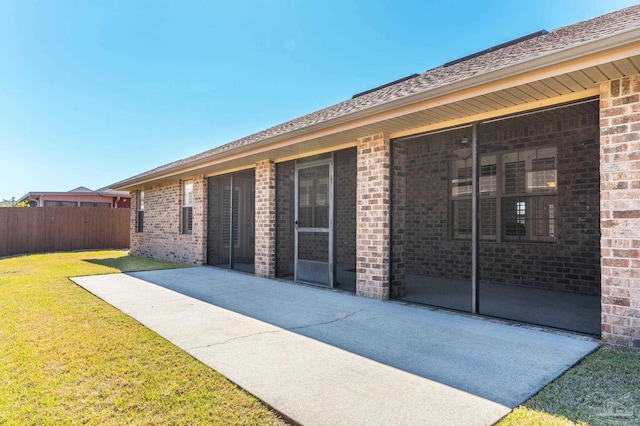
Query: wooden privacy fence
x=48 y=229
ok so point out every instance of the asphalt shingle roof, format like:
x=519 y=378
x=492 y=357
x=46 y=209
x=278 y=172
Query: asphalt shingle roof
x=553 y=41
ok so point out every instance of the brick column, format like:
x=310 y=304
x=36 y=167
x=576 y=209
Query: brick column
x=200 y=204
x=620 y=210
x=135 y=237
x=265 y=256
x=372 y=217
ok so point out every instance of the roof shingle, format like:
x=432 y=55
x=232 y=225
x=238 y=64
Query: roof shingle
x=554 y=41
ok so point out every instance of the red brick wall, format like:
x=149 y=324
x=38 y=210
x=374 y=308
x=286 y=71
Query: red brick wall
x=399 y=216
x=421 y=219
x=161 y=238
x=372 y=216
x=122 y=203
x=265 y=224
x=423 y=243
x=345 y=175
x=620 y=210
x=285 y=176
x=345 y=222
x=572 y=263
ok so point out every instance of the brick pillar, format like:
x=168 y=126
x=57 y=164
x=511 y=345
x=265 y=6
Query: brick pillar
x=135 y=237
x=620 y=210
x=200 y=204
x=265 y=257
x=372 y=217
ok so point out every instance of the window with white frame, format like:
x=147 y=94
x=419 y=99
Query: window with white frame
x=488 y=197
x=187 y=207
x=529 y=195
x=461 y=190
x=140 y=210
x=520 y=185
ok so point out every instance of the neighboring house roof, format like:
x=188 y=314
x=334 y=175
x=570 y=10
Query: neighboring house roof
x=112 y=192
x=81 y=191
x=489 y=61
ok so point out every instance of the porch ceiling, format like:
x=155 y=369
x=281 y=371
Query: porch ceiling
x=567 y=87
x=562 y=88
x=538 y=88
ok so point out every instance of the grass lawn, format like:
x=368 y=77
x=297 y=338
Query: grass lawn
x=66 y=357
x=603 y=389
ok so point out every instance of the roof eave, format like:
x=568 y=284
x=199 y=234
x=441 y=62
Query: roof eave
x=25 y=197
x=572 y=53
x=47 y=193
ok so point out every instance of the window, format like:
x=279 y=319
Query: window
x=528 y=196
x=521 y=186
x=461 y=191
x=488 y=214
x=462 y=219
x=461 y=212
x=461 y=182
x=187 y=207
x=140 y=222
x=53 y=203
x=92 y=204
x=227 y=209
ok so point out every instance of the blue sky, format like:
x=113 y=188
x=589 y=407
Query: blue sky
x=93 y=92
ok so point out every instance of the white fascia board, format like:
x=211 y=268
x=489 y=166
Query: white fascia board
x=574 y=52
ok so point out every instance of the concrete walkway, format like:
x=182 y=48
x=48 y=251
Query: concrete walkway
x=329 y=358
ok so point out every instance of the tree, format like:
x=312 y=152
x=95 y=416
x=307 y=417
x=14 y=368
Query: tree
x=13 y=203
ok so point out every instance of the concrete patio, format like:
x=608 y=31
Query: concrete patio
x=324 y=358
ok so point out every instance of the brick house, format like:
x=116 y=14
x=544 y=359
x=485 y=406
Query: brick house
x=505 y=183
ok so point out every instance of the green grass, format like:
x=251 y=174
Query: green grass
x=603 y=389
x=66 y=357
